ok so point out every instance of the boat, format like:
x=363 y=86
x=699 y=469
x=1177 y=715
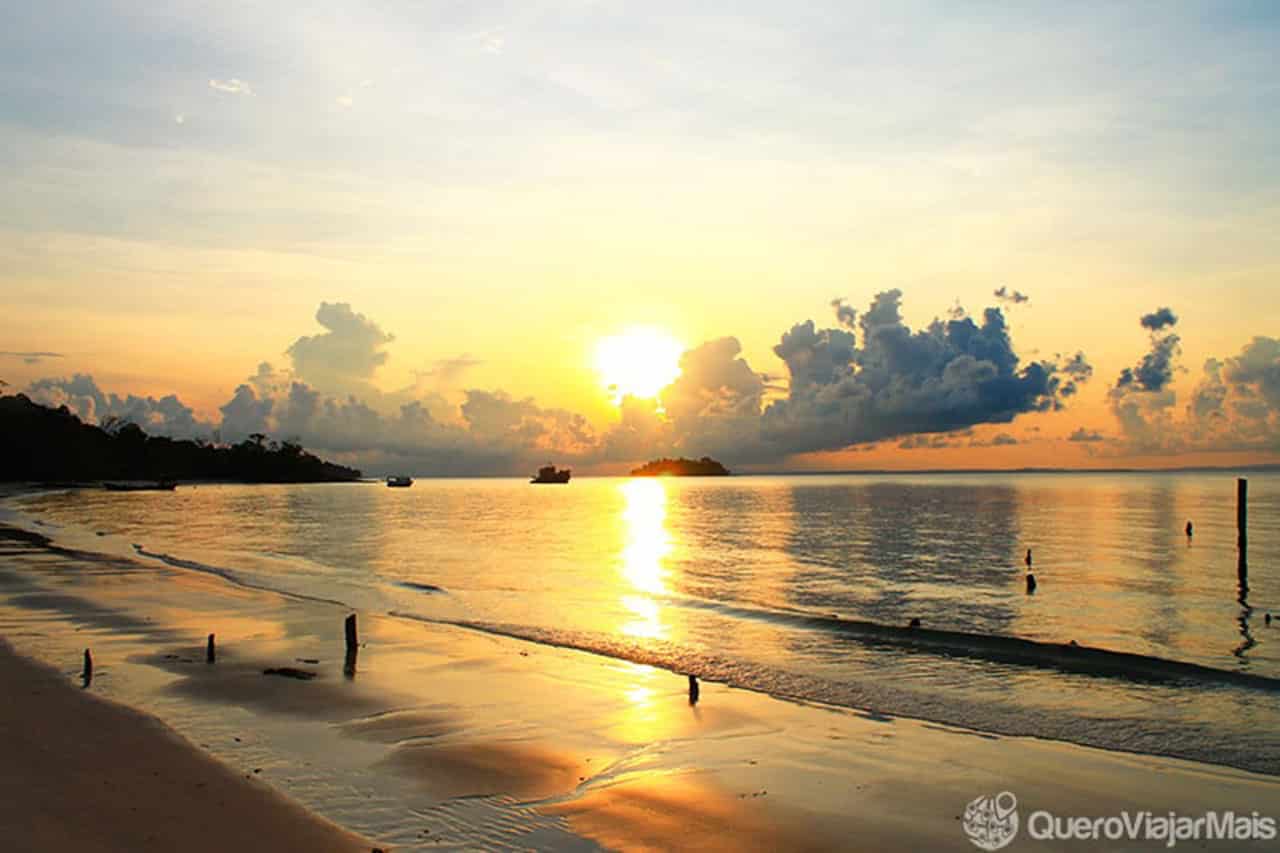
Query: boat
x=551 y=474
x=399 y=482
x=157 y=486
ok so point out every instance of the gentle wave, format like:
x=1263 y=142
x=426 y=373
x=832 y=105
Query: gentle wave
x=1065 y=657
x=887 y=698
x=230 y=576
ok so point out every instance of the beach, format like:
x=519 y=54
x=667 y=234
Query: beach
x=85 y=774
x=441 y=737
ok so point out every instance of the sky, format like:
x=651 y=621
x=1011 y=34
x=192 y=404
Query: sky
x=400 y=231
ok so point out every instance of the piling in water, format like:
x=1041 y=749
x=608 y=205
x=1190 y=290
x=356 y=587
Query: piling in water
x=352 y=639
x=87 y=675
x=693 y=690
x=1242 y=535
x=210 y=653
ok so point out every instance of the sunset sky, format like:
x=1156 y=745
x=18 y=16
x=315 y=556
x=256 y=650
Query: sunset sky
x=426 y=217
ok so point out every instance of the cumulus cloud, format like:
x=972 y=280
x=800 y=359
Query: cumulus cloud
x=31 y=357
x=1087 y=436
x=921 y=388
x=1159 y=319
x=950 y=375
x=166 y=415
x=1235 y=405
x=1141 y=398
x=1010 y=297
x=845 y=315
x=233 y=86
x=343 y=357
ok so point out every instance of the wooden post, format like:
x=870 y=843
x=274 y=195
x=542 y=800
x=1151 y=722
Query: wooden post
x=693 y=690
x=1242 y=513
x=1242 y=534
x=87 y=675
x=352 y=640
x=210 y=653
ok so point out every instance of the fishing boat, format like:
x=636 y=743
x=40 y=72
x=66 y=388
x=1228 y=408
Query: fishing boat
x=551 y=474
x=399 y=482
x=157 y=486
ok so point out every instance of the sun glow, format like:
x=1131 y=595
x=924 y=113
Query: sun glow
x=640 y=362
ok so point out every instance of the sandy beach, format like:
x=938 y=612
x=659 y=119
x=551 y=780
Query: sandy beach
x=85 y=774
x=445 y=738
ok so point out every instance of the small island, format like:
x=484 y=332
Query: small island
x=704 y=467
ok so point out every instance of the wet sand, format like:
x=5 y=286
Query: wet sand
x=447 y=738
x=84 y=774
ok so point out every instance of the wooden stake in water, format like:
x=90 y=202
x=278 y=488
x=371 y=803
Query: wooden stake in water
x=87 y=675
x=1242 y=513
x=1242 y=535
x=352 y=640
x=210 y=653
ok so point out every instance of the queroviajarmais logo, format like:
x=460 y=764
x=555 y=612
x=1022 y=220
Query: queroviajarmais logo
x=991 y=822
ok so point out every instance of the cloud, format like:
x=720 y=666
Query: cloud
x=845 y=315
x=1010 y=297
x=1000 y=439
x=31 y=357
x=344 y=101
x=346 y=355
x=1155 y=370
x=948 y=376
x=925 y=442
x=166 y=416
x=1141 y=398
x=447 y=371
x=922 y=388
x=1159 y=319
x=233 y=86
x=1085 y=435
x=1235 y=406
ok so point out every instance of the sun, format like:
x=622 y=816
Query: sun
x=640 y=361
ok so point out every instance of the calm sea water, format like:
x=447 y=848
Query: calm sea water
x=737 y=580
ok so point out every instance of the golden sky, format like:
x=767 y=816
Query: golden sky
x=500 y=188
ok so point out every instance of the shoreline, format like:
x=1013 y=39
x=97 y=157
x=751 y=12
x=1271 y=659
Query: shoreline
x=83 y=773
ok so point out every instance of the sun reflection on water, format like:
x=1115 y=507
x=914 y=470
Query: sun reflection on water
x=647 y=544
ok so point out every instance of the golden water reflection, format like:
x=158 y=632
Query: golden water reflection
x=648 y=544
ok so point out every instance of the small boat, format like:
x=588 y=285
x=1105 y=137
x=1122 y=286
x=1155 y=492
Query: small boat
x=157 y=486
x=399 y=482
x=551 y=474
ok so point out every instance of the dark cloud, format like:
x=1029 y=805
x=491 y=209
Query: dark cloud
x=1085 y=435
x=948 y=376
x=1010 y=297
x=1155 y=370
x=32 y=357
x=1158 y=319
x=845 y=315
x=925 y=442
x=1003 y=439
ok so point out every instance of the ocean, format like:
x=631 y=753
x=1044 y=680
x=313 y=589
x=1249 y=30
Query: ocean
x=800 y=587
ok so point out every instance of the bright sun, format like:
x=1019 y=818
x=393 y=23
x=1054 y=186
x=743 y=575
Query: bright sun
x=640 y=361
